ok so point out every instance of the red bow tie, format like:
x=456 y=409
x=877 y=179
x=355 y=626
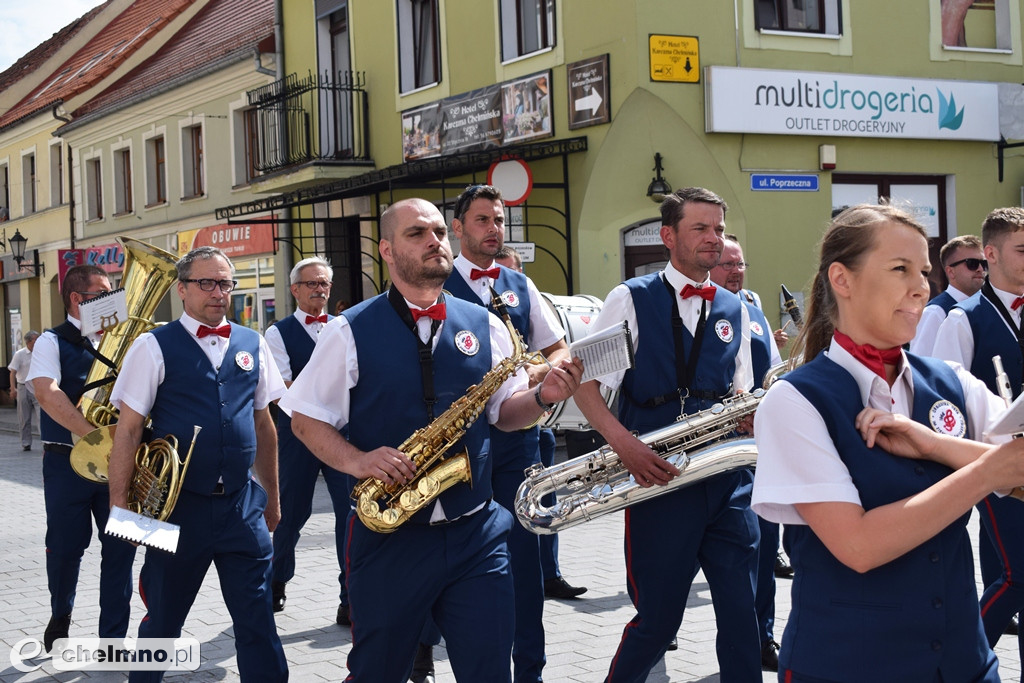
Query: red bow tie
x=492 y=273
x=873 y=358
x=1017 y=303
x=435 y=312
x=222 y=331
x=310 y=319
x=707 y=293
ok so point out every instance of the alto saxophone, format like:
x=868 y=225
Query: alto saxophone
x=384 y=507
x=598 y=483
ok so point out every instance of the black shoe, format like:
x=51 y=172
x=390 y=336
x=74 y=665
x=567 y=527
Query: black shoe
x=55 y=630
x=343 y=618
x=277 y=589
x=770 y=656
x=672 y=645
x=1013 y=628
x=423 y=665
x=26 y=448
x=783 y=570
x=557 y=587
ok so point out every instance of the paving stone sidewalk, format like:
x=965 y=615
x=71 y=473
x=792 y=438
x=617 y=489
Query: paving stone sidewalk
x=581 y=635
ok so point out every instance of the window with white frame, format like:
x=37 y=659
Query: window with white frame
x=798 y=16
x=93 y=189
x=5 y=193
x=123 y=196
x=192 y=161
x=56 y=174
x=156 y=171
x=245 y=145
x=28 y=183
x=419 y=40
x=976 y=24
x=527 y=26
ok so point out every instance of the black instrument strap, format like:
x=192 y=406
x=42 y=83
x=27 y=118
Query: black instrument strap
x=426 y=351
x=990 y=294
x=83 y=342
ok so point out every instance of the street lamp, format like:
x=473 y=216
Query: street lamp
x=18 y=243
x=659 y=187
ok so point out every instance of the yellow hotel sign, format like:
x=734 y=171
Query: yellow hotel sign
x=675 y=58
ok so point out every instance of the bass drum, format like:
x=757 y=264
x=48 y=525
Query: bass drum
x=577 y=314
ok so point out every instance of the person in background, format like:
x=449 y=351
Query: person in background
x=22 y=392
x=291 y=341
x=555 y=585
x=965 y=267
x=61 y=359
x=884 y=587
x=729 y=274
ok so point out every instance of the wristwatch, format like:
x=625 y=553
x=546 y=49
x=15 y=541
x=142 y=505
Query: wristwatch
x=544 y=406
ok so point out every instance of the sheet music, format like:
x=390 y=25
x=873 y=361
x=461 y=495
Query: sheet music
x=104 y=311
x=147 y=531
x=604 y=352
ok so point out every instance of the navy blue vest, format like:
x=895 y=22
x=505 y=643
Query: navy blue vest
x=387 y=403
x=917 y=615
x=992 y=338
x=221 y=402
x=506 y=447
x=75 y=362
x=299 y=346
x=654 y=372
x=945 y=301
x=760 y=343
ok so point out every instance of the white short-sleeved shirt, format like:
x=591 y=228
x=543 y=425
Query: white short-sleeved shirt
x=46 y=354
x=797 y=461
x=545 y=329
x=928 y=326
x=142 y=370
x=21 y=361
x=618 y=306
x=955 y=339
x=276 y=343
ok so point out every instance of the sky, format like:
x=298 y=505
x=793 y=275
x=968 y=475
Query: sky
x=26 y=23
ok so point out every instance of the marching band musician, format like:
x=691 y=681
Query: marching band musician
x=292 y=341
x=450 y=560
x=61 y=361
x=691 y=349
x=884 y=584
x=965 y=267
x=201 y=370
x=479 y=223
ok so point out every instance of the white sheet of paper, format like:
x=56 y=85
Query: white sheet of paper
x=103 y=312
x=604 y=352
x=147 y=531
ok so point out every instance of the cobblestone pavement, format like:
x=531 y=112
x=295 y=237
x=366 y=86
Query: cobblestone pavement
x=581 y=634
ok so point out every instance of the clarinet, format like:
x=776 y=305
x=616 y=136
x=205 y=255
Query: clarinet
x=791 y=306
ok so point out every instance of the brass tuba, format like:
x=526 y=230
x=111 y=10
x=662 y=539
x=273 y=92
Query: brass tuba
x=148 y=273
x=597 y=483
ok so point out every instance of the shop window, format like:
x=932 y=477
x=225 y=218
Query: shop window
x=527 y=26
x=56 y=174
x=156 y=171
x=123 y=181
x=976 y=24
x=419 y=41
x=192 y=161
x=28 y=183
x=93 y=190
x=798 y=16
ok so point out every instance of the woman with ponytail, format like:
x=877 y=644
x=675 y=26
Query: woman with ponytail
x=864 y=454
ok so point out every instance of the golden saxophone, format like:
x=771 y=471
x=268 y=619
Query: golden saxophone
x=384 y=507
x=597 y=483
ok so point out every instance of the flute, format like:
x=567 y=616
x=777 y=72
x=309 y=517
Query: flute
x=1006 y=393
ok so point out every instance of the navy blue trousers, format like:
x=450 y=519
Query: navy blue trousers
x=709 y=522
x=298 y=470
x=458 y=573
x=1003 y=519
x=764 y=591
x=548 y=542
x=72 y=503
x=230 y=532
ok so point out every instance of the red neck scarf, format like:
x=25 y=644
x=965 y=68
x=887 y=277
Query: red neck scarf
x=873 y=358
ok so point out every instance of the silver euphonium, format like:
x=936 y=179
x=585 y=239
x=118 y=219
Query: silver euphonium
x=597 y=483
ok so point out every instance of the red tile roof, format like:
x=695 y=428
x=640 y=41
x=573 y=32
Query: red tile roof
x=120 y=39
x=220 y=28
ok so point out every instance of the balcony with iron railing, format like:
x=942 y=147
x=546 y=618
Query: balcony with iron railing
x=322 y=118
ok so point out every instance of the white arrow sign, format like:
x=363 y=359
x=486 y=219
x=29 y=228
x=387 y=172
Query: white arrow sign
x=591 y=101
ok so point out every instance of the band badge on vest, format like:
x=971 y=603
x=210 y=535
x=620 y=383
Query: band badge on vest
x=946 y=418
x=510 y=298
x=723 y=328
x=243 y=359
x=467 y=342
x=756 y=328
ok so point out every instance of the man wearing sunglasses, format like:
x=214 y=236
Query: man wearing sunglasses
x=965 y=267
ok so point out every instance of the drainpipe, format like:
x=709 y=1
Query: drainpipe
x=285 y=259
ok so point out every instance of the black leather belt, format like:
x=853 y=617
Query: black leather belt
x=58 y=448
x=218 y=490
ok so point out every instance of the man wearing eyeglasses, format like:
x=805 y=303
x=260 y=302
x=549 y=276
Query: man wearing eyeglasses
x=201 y=370
x=60 y=362
x=985 y=325
x=292 y=341
x=965 y=266
x=479 y=223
